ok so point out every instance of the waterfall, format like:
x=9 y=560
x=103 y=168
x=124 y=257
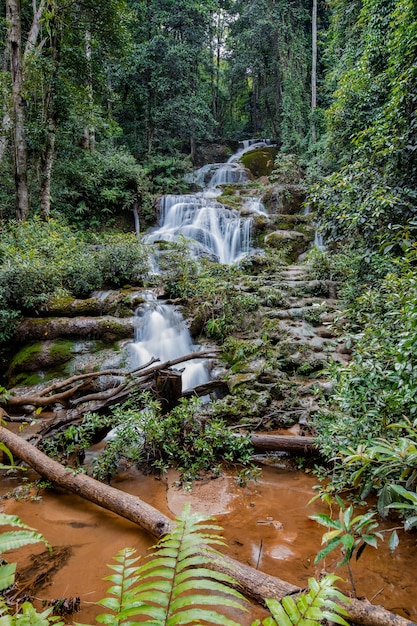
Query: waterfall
x=220 y=233
x=318 y=237
x=161 y=332
x=216 y=231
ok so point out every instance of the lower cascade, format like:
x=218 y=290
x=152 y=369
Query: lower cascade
x=161 y=332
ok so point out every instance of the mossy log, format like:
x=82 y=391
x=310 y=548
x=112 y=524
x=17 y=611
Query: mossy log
x=252 y=582
x=106 y=328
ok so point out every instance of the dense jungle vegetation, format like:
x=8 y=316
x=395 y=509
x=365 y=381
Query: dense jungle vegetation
x=106 y=104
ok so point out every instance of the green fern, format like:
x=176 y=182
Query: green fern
x=171 y=583
x=310 y=608
x=12 y=540
x=27 y=616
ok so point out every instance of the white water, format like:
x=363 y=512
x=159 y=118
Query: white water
x=162 y=333
x=220 y=233
x=215 y=231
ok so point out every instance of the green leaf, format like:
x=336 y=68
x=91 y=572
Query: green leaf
x=394 y=541
x=7 y=574
x=327 y=549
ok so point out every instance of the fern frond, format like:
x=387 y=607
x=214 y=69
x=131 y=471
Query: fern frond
x=15 y=539
x=176 y=586
x=310 y=608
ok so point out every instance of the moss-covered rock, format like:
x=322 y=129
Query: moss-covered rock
x=259 y=161
x=284 y=199
x=29 y=364
x=295 y=242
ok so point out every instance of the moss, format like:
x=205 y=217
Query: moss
x=25 y=379
x=260 y=161
x=61 y=350
x=25 y=357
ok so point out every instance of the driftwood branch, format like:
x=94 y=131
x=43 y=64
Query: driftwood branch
x=67 y=392
x=252 y=582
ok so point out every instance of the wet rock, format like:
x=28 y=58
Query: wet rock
x=294 y=241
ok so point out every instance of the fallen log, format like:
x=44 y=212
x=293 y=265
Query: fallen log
x=251 y=582
x=283 y=443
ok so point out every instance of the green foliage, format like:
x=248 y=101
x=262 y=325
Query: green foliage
x=11 y=540
x=286 y=169
x=41 y=259
x=70 y=444
x=185 y=277
x=309 y=608
x=27 y=615
x=347 y=533
x=123 y=260
x=376 y=389
x=94 y=188
x=182 y=439
x=371 y=125
x=389 y=467
x=167 y=589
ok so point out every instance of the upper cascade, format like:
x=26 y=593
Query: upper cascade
x=218 y=231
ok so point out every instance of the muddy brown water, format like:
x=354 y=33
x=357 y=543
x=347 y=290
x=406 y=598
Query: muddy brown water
x=266 y=525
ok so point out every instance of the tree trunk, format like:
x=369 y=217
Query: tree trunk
x=252 y=582
x=283 y=443
x=313 y=69
x=18 y=105
x=47 y=157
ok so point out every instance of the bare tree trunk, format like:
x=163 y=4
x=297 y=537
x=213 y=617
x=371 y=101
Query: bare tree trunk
x=18 y=104
x=6 y=125
x=47 y=157
x=313 y=69
x=34 y=29
x=252 y=582
x=89 y=131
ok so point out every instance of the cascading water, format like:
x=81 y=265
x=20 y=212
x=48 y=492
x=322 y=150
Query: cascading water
x=220 y=232
x=216 y=231
x=162 y=333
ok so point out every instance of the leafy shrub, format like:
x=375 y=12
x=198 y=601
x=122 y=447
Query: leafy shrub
x=123 y=260
x=376 y=389
x=93 y=188
x=82 y=275
x=29 y=283
x=179 y=439
x=287 y=169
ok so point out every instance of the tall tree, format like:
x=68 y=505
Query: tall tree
x=13 y=9
x=270 y=60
